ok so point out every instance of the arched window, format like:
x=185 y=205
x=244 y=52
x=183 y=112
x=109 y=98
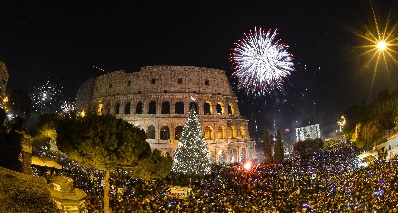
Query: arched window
x=165 y=133
x=178 y=131
x=195 y=106
x=179 y=108
x=117 y=108
x=207 y=108
x=207 y=82
x=127 y=108
x=151 y=132
x=139 y=108
x=232 y=132
x=220 y=108
x=208 y=133
x=152 y=107
x=166 y=107
x=221 y=132
x=100 y=109
x=242 y=131
x=231 y=109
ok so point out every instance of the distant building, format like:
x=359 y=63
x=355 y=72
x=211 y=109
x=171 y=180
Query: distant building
x=158 y=99
x=389 y=149
x=306 y=132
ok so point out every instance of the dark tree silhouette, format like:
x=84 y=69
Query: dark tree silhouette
x=267 y=147
x=278 y=148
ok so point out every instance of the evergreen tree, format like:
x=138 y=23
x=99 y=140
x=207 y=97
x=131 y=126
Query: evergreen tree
x=191 y=156
x=278 y=148
x=267 y=147
x=107 y=143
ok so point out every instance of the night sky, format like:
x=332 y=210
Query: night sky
x=63 y=40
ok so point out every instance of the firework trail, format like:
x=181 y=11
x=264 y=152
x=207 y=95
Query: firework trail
x=262 y=64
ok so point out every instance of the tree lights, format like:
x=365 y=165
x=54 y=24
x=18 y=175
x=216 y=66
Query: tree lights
x=192 y=156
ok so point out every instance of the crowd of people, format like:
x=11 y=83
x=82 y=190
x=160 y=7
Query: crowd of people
x=333 y=180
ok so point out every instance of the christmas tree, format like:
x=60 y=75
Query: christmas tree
x=191 y=156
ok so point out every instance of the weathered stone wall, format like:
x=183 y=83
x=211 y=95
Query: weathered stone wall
x=158 y=99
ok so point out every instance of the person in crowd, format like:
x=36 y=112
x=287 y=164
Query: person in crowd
x=331 y=181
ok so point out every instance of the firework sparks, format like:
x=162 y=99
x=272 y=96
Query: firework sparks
x=67 y=107
x=262 y=64
x=46 y=98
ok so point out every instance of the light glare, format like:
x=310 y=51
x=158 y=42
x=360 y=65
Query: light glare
x=382 y=45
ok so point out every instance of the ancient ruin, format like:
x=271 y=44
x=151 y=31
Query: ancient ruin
x=158 y=98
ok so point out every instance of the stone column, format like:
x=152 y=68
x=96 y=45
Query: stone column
x=172 y=107
x=238 y=154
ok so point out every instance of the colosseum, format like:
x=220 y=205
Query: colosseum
x=158 y=100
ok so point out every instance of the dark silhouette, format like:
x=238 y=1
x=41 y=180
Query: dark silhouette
x=11 y=136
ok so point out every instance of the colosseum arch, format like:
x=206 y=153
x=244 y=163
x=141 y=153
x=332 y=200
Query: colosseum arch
x=232 y=132
x=221 y=156
x=207 y=108
x=221 y=132
x=209 y=135
x=178 y=132
x=179 y=107
x=231 y=109
x=165 y=108
x=151 y=132
x=139 y=108
x=127 y=108
x=164 y=133
x=100 y=109
x=117 y=108
x=242 y=131
x=152 y=107
x=233 y=153
x=220 y=108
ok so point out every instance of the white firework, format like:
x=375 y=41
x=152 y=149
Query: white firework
x=262 y=64
x=67 y=107
x=46 y=98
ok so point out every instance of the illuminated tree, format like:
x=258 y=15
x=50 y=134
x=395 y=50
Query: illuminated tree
x=106 y=143
x=278 y=148
x=191 y=156
x=267 y=147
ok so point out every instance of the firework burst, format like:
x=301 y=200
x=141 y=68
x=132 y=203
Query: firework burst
x=46 y=98
x=67 y=107
x=261 y=62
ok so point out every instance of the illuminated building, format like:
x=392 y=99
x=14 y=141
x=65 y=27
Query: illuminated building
x=158 y=99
